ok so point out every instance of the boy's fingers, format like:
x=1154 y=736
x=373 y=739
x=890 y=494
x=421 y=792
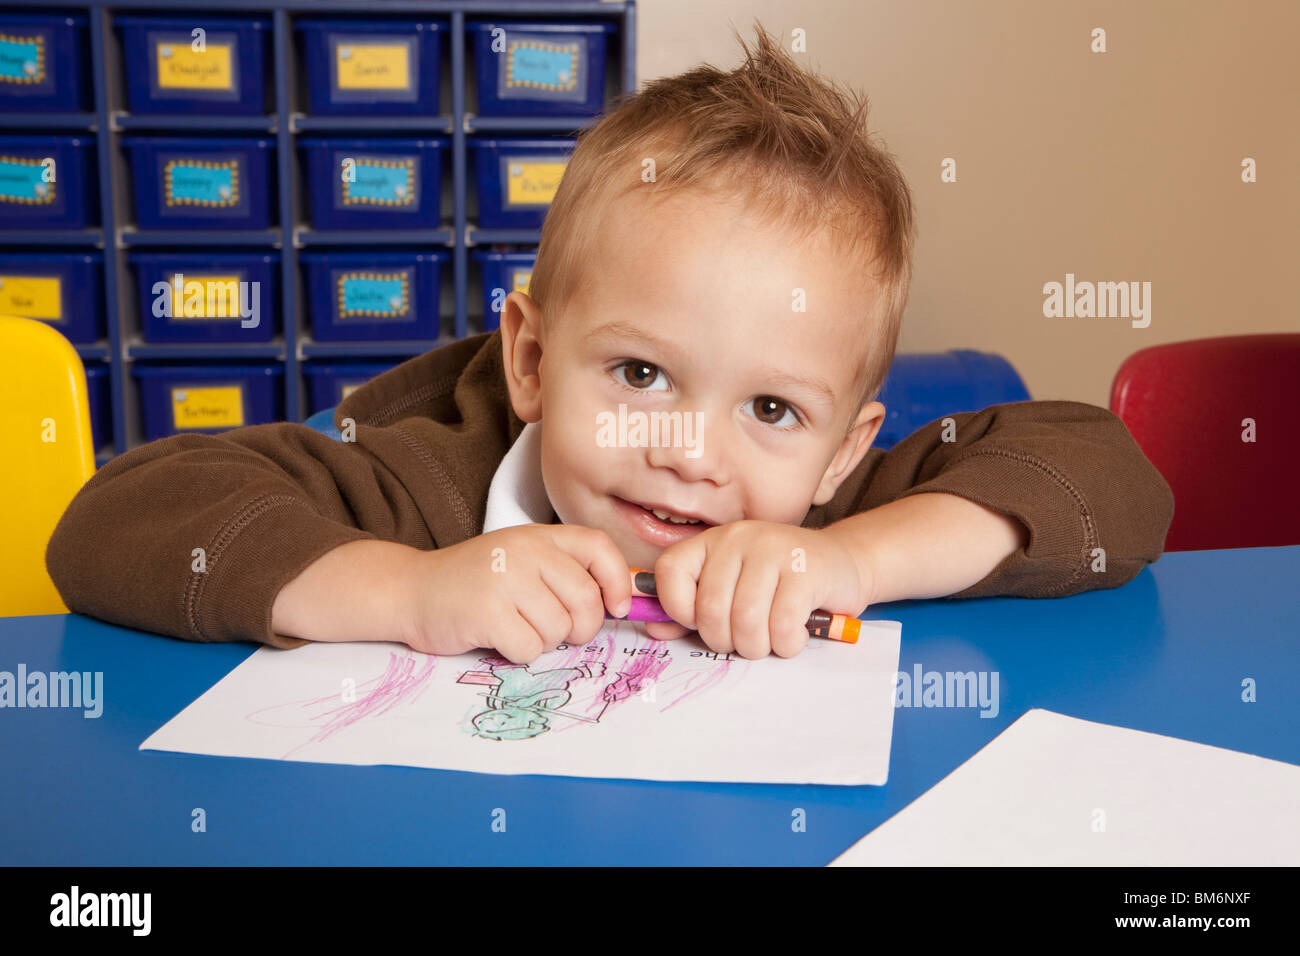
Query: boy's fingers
x=595 y=551
x=665 y=630
x=787 y=621
x=515 y=639
x=713 y=600
x=751 y=607
x=676 y=572
x=580 y=595
x=545 y=614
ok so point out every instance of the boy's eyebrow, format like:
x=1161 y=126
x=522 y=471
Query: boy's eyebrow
x=811 y=383
x=627 y=330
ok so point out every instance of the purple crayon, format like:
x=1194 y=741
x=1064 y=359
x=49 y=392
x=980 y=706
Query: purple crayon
x=646 y=609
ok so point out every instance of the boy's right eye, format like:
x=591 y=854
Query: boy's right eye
x=642 y=375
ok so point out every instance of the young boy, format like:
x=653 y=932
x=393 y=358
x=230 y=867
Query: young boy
x=727 y=252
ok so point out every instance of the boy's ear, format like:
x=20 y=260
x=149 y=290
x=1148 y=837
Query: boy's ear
x=854 y=445
x=521 y=353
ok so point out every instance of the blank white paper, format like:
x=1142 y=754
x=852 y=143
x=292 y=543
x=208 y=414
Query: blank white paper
x=1053 y=790
x=624 y=706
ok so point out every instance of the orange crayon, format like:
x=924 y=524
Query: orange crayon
x=834 y=627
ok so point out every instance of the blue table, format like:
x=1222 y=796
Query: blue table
x=1166 y=653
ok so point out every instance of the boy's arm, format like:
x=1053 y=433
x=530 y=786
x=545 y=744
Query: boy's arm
x=194 y=535
x=1044 y=486
x=927 y=546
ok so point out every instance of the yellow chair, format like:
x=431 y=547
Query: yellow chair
x=48 y=455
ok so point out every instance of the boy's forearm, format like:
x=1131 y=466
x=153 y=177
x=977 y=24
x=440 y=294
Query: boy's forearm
x=350 y=593
x=928 y=545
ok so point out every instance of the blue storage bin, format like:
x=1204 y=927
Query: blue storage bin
x=65 y=289
x=207 y=398
x=503 y=273
x=517 y=179
x=388 y=67
x=97 y=392
x=922 y=388
x=198 y=296
x=201 y=182
x=48 y=182
x=374 y=183
x=44 y=63
x=373 y=296
x=544 y=69
x=331 y=382
x=165 y=73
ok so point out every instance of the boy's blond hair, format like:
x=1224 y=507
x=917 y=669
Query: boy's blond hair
x=791 y=145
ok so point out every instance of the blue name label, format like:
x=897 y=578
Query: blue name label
x=23 y=181
x=374 y=295
x=379 y=182
x=22 y=59
x=201 y=183
x=547 y=66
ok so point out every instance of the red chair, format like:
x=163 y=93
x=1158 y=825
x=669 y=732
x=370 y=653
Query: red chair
x=1185 y=404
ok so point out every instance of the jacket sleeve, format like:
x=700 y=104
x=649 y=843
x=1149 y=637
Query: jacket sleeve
x=194 y=535
x=1069 y=471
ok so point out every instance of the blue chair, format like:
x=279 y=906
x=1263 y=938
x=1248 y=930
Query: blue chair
x=918 y=389
x=923 y=387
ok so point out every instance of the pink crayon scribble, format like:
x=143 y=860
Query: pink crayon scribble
x=698 y=681
x=634 y=675
x=644 y=669
x=400 y=683
x=638 y=671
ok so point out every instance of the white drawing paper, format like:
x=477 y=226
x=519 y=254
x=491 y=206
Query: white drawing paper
x=1053 y=790
x=622 y=706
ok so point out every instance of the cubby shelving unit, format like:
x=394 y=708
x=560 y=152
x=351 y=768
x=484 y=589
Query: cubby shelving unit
x=117 y=234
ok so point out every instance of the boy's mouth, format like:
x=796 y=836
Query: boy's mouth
x=657 y=525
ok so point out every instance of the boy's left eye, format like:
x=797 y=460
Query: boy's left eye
x=773 y=411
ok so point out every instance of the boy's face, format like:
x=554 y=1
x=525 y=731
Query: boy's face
x=692 y=308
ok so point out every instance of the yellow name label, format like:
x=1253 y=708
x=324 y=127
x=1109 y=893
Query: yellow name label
x=533 y=183
x=522 y=280
x=32 y=297
x=207 y=297
x=373 y=66
x=181 y=67
x=218 y=407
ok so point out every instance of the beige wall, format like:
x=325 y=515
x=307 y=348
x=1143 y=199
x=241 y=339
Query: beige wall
x=1117 y=166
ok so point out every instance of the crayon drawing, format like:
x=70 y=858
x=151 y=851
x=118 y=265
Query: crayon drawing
x=622 y=705
x=521 y=702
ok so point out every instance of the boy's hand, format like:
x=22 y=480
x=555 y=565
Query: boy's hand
x=749 y=586
x=520 y=591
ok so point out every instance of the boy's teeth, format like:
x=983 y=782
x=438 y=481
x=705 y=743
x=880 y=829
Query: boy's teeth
x=665 y=516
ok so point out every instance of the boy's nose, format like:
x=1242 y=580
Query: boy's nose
x=696 y=454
